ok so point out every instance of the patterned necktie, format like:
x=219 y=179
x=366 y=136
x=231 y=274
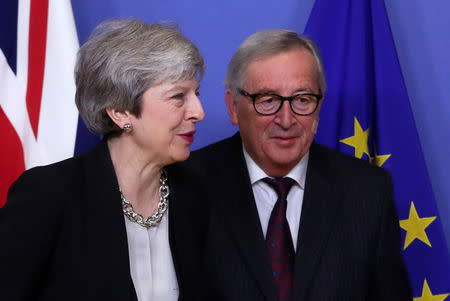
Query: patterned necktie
x=279 y=241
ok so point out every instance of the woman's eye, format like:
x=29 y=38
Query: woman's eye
x=178 y=96
x=197 y=93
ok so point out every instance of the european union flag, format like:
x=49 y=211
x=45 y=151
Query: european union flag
x=366 y=113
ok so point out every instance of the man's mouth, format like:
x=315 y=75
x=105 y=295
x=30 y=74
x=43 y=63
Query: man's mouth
x=285 y=141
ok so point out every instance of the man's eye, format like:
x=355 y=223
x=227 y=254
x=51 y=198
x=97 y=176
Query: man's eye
x=266 y=99
x=303 y=98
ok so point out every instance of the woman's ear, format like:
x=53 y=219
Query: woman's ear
x=120 y=118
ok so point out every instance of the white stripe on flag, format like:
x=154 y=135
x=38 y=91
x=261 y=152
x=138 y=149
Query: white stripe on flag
x=13 y=86
x=59 y=115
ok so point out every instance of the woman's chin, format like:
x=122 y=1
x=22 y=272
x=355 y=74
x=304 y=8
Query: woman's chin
x=181 y=156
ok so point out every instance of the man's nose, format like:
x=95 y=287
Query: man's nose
x=285 y=117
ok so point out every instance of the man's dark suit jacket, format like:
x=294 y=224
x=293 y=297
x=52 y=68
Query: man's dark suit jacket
x=348 y=245
x=63 y=236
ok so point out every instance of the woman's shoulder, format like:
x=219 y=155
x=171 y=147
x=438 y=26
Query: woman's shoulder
x=48 y=175
x=54 y=178
x=42 y=183
x=37 y=215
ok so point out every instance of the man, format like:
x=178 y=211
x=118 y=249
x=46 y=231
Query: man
x=290 y=219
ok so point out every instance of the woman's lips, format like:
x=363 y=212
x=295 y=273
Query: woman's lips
x=189 y=136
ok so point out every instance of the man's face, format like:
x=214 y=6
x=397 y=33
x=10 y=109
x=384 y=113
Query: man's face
x=277 y=142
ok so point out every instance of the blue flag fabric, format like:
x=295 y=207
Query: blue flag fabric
x=366 y=113
x=8 y=31
x=85 y=140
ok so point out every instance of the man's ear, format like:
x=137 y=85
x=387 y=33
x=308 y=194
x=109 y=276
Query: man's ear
x=231 y=106
x=120 y=118
x=315 y=125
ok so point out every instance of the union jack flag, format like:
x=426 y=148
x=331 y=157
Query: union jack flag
x=38 y=116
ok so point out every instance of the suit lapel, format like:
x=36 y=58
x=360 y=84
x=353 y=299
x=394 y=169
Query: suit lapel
x=107 y=247
x=241 y=217
x=186 y=228
x=174 y=236
x=320 y=205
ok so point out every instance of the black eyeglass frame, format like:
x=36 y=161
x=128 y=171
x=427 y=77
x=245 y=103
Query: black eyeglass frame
x=283 y=99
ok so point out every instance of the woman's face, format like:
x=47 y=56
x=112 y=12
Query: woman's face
x=165 y=130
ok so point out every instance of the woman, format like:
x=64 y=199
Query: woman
x=112 y=224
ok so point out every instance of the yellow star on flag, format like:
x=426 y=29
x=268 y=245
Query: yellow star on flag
x=428 y=296
x=378 y=159
x=415 y=227
x=358 y=140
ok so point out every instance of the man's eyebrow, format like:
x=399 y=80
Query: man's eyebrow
x=266 y=91
x=270 y=91
x=303 y=90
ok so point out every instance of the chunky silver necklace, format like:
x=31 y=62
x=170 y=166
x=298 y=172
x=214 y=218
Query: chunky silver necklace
x=155 y=219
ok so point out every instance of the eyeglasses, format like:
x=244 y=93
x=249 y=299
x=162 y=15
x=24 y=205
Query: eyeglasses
x=268 y=103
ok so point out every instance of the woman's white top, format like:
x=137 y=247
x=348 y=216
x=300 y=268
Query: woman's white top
x=151 y=262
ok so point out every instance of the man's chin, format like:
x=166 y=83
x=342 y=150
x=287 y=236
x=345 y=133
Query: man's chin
x=285 y=158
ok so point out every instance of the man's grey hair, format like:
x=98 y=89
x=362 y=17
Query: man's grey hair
x=267 y=43
x=121 y=60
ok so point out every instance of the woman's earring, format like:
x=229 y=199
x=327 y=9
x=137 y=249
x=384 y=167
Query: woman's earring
x=127 y=128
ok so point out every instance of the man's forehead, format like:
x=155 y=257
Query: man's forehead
x=266 y=56
x=294 y=70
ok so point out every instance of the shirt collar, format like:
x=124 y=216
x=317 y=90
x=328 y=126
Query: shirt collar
x=298 y=173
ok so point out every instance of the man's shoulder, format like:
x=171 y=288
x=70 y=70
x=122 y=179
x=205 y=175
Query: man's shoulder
x=227 y=147
x=356 y=182
x=220 y=146
x=215 y=158
x=345 y=165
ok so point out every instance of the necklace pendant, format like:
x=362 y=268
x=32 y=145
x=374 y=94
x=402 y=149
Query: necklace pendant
x=154 y=219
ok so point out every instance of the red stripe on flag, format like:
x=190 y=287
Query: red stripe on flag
x=11 y=156
x=36 y=59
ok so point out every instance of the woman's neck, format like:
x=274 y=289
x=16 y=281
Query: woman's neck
x=137 y=175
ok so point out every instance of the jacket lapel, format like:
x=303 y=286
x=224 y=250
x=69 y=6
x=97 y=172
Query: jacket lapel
x=107 y=247
x=187 y=227
x=320 y=206
x=241 y=217
x=174 y=236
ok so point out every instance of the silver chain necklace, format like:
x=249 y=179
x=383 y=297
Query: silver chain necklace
x=155 y=219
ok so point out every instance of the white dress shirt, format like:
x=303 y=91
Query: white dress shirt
x=266 y=196
x=151 y=262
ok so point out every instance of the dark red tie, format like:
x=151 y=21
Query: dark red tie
x=279 y=241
